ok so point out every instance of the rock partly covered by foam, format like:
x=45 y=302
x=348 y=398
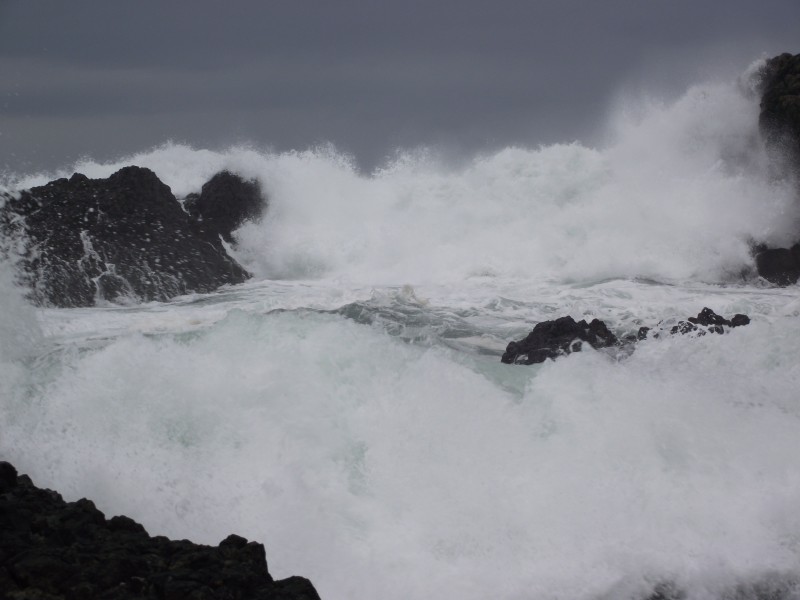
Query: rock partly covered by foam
x=51 y=549
x=780 y=266
x=83 y=240
x=707 y=321
x=779 y=120
x=779 y=123
x=551 y=339
x=225 y=202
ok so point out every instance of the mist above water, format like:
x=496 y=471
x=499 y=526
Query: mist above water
x=385 y=452
x=680 y=192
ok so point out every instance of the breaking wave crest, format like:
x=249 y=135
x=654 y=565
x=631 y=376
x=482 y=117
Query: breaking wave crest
x=365 y=430
x=680 y=192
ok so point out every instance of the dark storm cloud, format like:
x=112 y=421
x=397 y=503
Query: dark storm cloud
x=104 y=78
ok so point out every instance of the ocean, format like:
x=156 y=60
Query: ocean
x=348 y=408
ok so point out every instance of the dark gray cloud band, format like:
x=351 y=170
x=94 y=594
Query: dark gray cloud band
x=105 y=78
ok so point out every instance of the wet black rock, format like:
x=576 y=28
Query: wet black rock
x=779 y=120
x=780 y=266
x=225 y=202
x=708 y=317
x=84 y=240
x=774 y=585
x=551 y=339
x=709 y=321
x=779 y=123
x=51 y=549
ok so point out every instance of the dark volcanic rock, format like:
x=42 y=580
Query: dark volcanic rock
x=225 y=202
x=51 y=549
x=779 y=123
x=779 y=120
x=709 y=321
x=126 y=236
x=708 y=318
x=551 y=339
x=780 y=265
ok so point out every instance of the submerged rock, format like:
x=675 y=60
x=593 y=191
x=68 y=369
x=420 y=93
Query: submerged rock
x=551 y=339
x=56 y=550
x=85 y=240
x=225 y=202
x=773 y=585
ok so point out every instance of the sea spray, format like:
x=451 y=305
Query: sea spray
x=681 y=192
x=21 y=341
x=20 y=333
x=356 y=419
x=358 y=458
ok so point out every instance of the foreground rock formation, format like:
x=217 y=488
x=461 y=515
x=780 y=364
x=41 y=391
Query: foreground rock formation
x=779 y=123
x=551 y=339
x=126 y=237
x=52 y=550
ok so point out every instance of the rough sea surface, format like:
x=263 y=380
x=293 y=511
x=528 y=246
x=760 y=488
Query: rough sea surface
x=348 y=407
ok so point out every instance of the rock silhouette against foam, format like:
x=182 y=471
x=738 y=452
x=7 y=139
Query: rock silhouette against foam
x=707 y=321
x=551 y=339
x=779 y=265
x=51 y=549
x=779 y=120
x=779 y=123
x=225 y=202
x=84 y=240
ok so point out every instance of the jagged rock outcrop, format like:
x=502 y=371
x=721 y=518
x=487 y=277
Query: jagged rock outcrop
x=225 y=202
x=707 y=321
x=779 y=120
x=83 y=240
x=53 y=550
x=779 y=123
x=780 y=266
x=551 y=339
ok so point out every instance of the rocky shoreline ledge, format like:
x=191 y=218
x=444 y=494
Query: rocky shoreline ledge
x=53 y=550
x=126 y=238
x=563 y=336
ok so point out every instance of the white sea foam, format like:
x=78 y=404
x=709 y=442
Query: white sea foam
x=20 y=341
x=359 y=459
x=679 y=193
x=414 y=464
x=19 y=328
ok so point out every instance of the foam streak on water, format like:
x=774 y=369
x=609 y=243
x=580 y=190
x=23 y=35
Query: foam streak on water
x=348 y=408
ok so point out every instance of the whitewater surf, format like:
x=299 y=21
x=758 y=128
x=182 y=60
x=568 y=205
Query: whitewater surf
x=348 y=408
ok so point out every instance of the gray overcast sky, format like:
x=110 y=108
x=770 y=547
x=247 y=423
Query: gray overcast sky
x=107 y=77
